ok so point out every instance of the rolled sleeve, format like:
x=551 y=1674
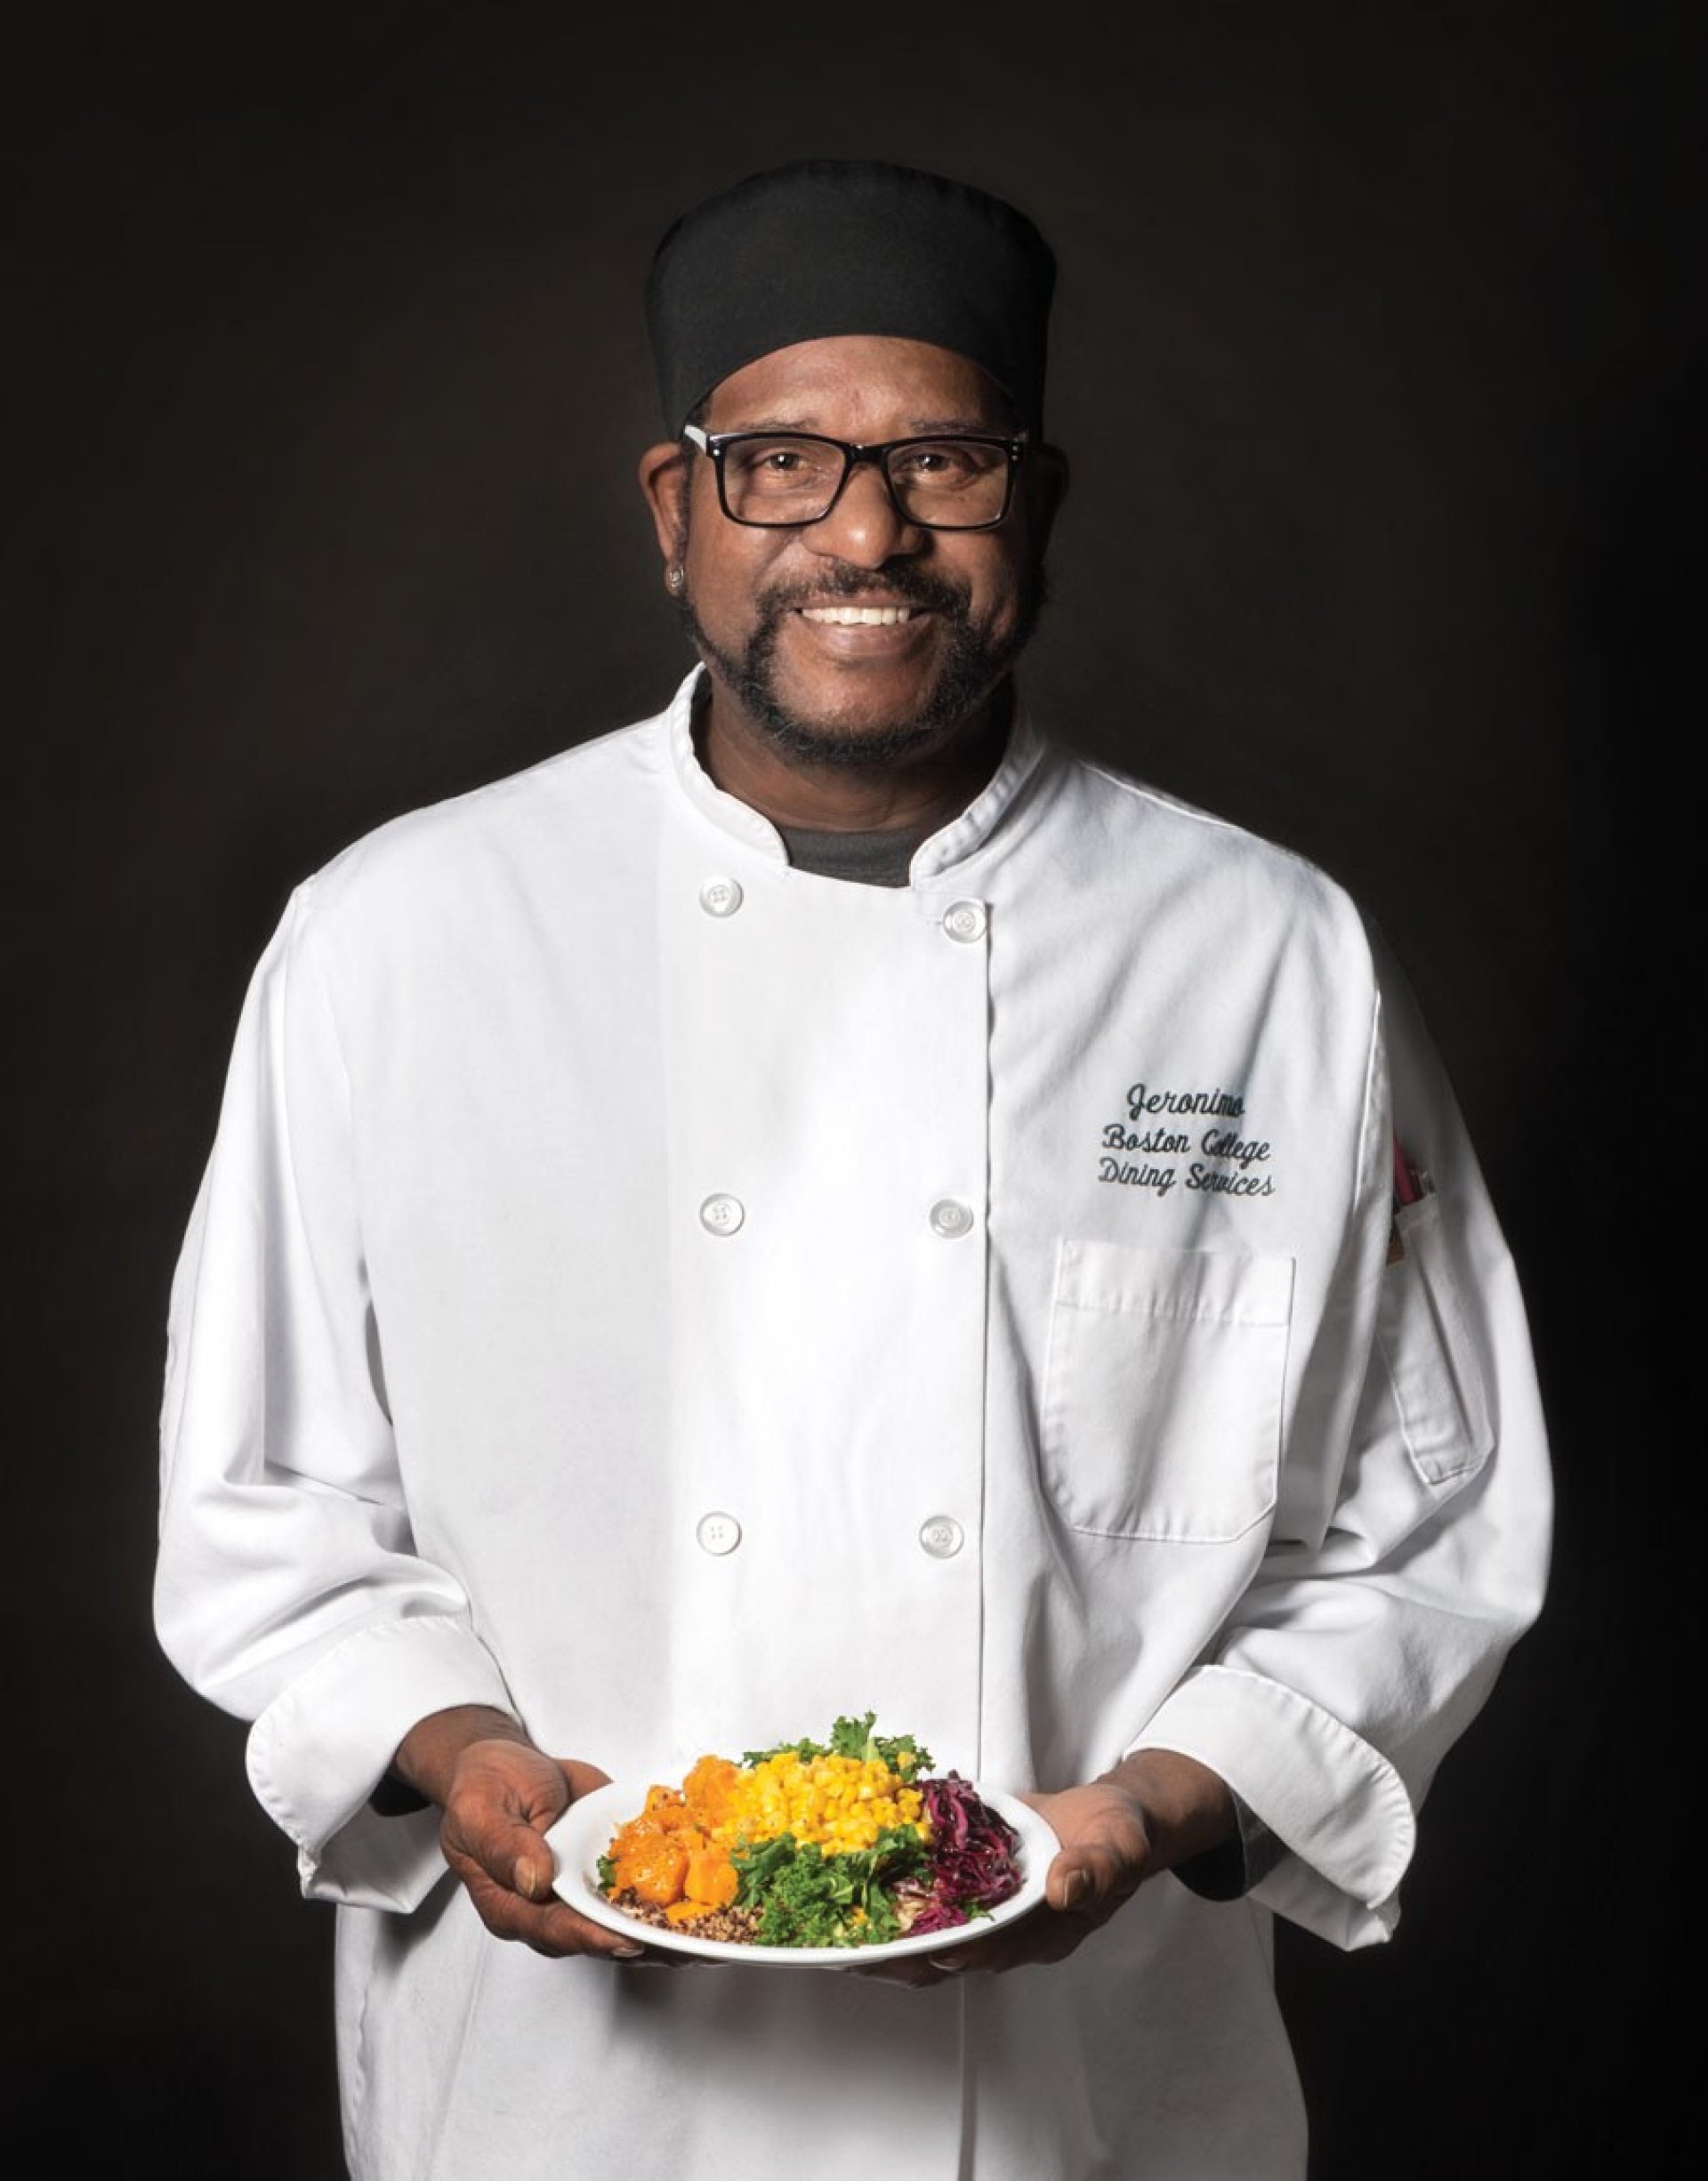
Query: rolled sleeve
x=1413 y=1548
x=1337 y=1804
x=320 y=1748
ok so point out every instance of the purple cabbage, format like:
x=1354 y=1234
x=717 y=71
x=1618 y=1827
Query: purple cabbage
x=972 y=1858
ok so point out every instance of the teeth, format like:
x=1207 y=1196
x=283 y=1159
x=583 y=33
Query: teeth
x=858 y=617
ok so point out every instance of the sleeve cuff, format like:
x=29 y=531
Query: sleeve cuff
x=1334 y=1802
x=319 y=1750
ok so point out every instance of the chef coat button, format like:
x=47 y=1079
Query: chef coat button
x=950 y=1218
x=722 y=1215
x=941 y=1536
x=964 y=920
x=718 y=1533
x=720 y=897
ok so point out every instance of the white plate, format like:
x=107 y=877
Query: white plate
x=582 y=1835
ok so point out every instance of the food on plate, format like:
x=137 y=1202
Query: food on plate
x=849 y=1841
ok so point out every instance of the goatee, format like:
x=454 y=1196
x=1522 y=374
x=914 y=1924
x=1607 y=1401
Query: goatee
x=973 y=664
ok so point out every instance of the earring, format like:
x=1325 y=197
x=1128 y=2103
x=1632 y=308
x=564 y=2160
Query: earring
x=675 y=575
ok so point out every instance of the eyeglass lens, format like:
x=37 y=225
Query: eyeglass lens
x=790 y=477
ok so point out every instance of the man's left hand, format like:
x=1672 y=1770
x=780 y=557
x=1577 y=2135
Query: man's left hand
x=1154 y=1810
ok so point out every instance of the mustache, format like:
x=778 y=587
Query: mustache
x=908 y=586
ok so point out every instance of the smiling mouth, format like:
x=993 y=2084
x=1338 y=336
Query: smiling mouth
x=858 y=616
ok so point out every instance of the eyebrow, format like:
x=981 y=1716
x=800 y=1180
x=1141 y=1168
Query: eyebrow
x=918 y=427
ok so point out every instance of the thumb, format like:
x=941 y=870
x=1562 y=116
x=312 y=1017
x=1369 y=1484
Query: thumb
x=531 y=1864
x=1096 y=1872
x=505 y=1848
x=581 y=1779
x=1071 y=1882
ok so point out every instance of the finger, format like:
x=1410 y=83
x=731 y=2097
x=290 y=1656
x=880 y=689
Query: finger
x=955 y=1961
x=560 y=1935
x=1037 y=1942
x=913 y=1969
x=1044 y=1934
x=581 y=1779
x=551 y=1927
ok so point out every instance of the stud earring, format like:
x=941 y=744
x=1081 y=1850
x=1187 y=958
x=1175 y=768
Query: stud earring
x=674 y=577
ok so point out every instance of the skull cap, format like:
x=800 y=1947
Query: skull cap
x=830 y=247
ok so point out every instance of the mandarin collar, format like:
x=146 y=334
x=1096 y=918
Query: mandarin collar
x=951 y=844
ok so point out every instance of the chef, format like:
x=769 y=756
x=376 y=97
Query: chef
x=823 y=1201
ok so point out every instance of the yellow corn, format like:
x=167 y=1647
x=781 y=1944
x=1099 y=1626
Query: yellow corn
x=839 y=1803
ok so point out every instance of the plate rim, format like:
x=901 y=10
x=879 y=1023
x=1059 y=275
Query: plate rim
x=565 y=1838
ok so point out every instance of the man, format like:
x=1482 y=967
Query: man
x=823 y=1202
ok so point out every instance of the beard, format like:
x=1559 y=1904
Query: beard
x=973 y=663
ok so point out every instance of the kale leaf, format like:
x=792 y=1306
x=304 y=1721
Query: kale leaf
x=900 y=1752
x=854 y=1737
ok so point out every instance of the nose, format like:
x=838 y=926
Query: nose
x=864 y=526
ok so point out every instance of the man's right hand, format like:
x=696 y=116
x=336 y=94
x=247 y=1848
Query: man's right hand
x=499 y=1794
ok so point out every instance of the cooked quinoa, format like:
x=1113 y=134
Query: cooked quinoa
x=732 y=1926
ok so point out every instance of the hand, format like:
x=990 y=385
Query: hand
x=1152 y=1810
x=499 y=1794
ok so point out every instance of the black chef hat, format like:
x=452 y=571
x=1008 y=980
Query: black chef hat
x=831 y=246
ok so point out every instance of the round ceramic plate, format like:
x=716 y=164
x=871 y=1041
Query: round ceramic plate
x=582 y=1835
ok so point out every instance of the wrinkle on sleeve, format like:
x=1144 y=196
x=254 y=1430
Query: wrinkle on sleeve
x=288 y=1589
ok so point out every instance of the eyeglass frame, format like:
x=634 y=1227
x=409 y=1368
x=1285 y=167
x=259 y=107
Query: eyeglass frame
x=715 y=445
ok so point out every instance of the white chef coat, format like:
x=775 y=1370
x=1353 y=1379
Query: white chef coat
x=680 y=1298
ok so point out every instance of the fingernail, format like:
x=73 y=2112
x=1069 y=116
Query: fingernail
x=526 y=1879
x=951 y=1965
x=1074 y=1892
x=626 y=1953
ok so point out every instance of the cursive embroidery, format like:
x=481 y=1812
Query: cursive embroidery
x=1228 y=1161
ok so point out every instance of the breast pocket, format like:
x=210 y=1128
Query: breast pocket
x=1163 y=1390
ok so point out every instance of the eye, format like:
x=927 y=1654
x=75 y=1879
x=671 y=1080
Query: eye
x=943 y=462
x=781 y=462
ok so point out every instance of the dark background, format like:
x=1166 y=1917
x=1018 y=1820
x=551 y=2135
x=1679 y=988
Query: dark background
x=1372 y=351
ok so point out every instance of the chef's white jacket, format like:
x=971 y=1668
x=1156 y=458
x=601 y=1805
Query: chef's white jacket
x=681 y=1298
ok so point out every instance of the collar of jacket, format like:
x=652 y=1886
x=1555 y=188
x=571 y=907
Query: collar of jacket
x=949 y=846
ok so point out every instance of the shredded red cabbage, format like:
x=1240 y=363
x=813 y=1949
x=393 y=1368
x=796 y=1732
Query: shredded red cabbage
x=972 y=1858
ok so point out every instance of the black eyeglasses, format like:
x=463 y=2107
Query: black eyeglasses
x=959 y=480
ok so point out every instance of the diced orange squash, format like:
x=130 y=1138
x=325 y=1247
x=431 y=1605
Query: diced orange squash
x=654 y=1869
x=634 y=1835
x=708 y=1787
x=712 y=1879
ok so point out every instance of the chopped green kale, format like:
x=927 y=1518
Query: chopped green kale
x=807 y=1898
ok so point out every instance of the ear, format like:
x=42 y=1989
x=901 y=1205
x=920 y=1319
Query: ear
x=663 y=472
x=1046 y=488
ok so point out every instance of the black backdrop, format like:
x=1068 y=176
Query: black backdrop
x=326 y=384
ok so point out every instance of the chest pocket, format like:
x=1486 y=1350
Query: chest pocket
x=1163 y=1390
